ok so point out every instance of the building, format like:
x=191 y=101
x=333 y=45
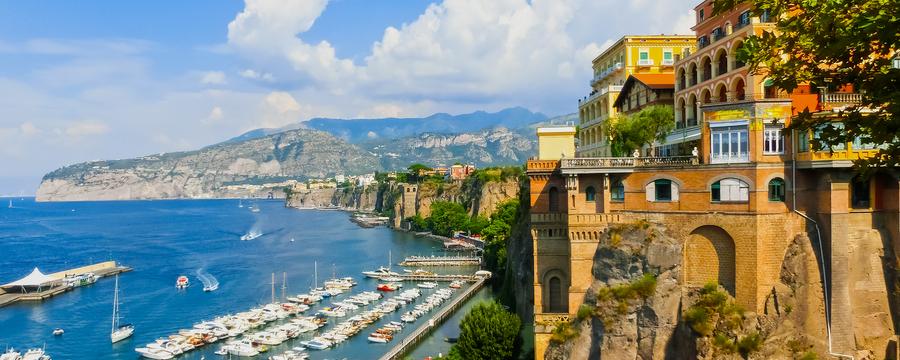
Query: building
x=365 y=179
x=461 y=172
x=643 y=90
x=630 y=55
x=736 y=203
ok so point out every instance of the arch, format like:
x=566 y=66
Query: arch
x=738 y=45
x=721 y=62
x=693 y=76
x=692 y=117
x=739 y=89
x=709 y=256
x=555 y=296
x=553 y=198
x=729 y=190
x=706 y=68
x=680 y=113
x=721 y=93
x=590 y=194
x=662 y=189
x=705 y=96
x=682 y=79
x=776 y=189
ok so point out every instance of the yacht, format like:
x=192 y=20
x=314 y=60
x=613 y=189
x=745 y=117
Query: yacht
x=182 y=282
x=428 y=285
x=58 y=331
x=253 y=234
x=35 y=354
x=10 y=354
x=150 y=353
x=380 y=273
x=241 y=348
x=316 y=344
x=10 y=204
x=118 y=332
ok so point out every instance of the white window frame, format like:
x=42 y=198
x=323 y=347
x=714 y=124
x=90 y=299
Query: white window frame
x=733 y=190
x=773 y=140
x=648 y=60
x=725 y=134
x=671 y=59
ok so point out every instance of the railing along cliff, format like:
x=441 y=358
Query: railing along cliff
x=542 y=165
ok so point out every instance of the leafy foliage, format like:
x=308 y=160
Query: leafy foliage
x=632 y=132
x=446 y=217
x=833 y=43
x=716 y=315
x=487 y=332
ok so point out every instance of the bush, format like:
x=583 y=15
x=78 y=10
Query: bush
x=585 y=311
x=488 y=332
x=749 y=344
x=562 y=333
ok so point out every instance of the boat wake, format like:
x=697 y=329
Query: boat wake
x=210 y=283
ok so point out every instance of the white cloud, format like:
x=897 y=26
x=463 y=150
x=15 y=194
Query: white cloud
x=86 y=128
x=28 y=129
x=213 y=78
x=279 y=109
x=254 y=75
x=215 y=115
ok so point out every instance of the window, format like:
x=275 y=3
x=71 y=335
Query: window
x=776 y=190
x=590 y=194
x=730 y=190
x=700 y=16
x=803 y=140
x=556 y=296
x=773 y=142
x=729 y=144
x=644 y=57
x=744 y=19
x=717 y=34
x=817 y=134
x=554 y=200
x=617 y=191
x=663 y=190
x=702 y=41
x=858 y=144
x=667 y=57
x=859 y=193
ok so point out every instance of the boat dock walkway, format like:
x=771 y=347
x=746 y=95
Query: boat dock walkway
x=101 y=270
x=441 y=261
x=434 y=277
x=422 y=331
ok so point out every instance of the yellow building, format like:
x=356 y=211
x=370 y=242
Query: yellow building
x=653 y=54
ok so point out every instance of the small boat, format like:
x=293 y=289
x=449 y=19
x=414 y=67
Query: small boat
x=212 y=287
x=253 y=234
x=451 y=340
x=118 y=332
x=428 y=285
x=316 y=344
x=35 y=354
x=58 y=331
x=240 y=203
x=292 y=239
x=182 y=282
x=10 y=204
x=10 y=354
x=387 y=287
x=456 y=284
x=222 y=350
x=254 y=208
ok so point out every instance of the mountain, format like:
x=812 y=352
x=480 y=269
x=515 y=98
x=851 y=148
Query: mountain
x=221 y=170
x=240 y=166
x=363 y=130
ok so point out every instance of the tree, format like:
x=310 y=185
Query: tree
x=487 y=332
x=630 y=132
x=833 y=43
x=446 y=217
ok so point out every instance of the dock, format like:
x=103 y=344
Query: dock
x=441 y=261
x=434 y=277
x=422 y=331
x=101 y=270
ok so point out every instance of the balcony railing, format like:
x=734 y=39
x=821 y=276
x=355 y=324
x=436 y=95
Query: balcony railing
x=603 y=74
x=626 y=162
x=841 y=98
x=542 y=165
x=645 y=62
x=668 y=62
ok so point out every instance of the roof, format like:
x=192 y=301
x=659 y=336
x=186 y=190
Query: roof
x=652 y=81
x=36 y=278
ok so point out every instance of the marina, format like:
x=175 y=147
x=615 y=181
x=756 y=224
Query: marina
x=162 y=240
x=40 y=287
x=441 y=261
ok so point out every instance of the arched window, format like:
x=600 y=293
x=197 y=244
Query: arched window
x=556 y=296
x=662 y=190
x=706 y=66
x=590 y=194
x=617 y=191
x=554 y=200
x=776 y=189
x=730 y=190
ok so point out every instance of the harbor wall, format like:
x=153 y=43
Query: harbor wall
x=106 y=265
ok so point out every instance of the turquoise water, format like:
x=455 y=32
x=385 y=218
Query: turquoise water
x=164 y=239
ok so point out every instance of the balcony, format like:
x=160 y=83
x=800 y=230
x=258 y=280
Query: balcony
x=603 y=74
x=729 y=158
x=668 y=62
x=542 y=165
x=621 y=164
x=599 y=93
x=840 y=99
x=645 y=62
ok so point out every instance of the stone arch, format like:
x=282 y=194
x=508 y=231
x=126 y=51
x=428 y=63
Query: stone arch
x=555 y=296
x=721 y=93
x=738 y=44
x=693 y=76
x=739 y=89
x=706 y=67
x=682 y=79
x=721 y=61
x=709 y=256
x=693 y=113
x=705 y=96
x=680 y=112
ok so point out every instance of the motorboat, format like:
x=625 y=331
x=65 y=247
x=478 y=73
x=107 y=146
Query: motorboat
x=10 y=353
x=428 y=285
x=182 y=282
x=35 y=354
x=316 y=344
x=118 y=332
x=253 y=234
x=377 y=337
x=386 y=287
x=240 y=348
x=158 y=354
x=58 y=331
x=380 y=273
x=212 y=287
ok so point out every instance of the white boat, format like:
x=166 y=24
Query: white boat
x=10 y=354
x=240 y=203
x=254 y=208
x=58 y=331
x=380 y=273
x=158 y=354
x=428 y=285
x=182 y=282
x=10 y=204
x=241 y=348
x=316 y=344
x=118 y=332
x=253 y=234
x=210 y=283
x=35 y=354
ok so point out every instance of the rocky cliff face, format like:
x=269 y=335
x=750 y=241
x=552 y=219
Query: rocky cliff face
x=617 y=326
x=499 y=146
x=228 y=169
x=354 y=198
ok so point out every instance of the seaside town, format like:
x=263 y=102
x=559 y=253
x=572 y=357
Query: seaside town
x=729 y=193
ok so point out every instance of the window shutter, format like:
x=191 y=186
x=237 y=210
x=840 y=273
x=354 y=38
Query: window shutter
x=674 y=187
x=651 y=191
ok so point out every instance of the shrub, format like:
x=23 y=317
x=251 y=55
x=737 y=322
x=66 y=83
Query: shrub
x=562 y=333
x=750 y=343
x=488 y=332
x=585 y=311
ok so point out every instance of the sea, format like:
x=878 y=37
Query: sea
x=164 y=239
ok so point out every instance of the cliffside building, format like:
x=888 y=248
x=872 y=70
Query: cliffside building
x=751 y=189
x=647 y=54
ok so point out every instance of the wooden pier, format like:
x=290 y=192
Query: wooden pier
x=423 y=330
x=101 y=270
x=441 y=261
x=435 y=277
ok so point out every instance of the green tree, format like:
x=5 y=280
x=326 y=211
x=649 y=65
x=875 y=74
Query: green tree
x=477 y=224
x=418 y=223
x=833 y=43
x=632 y=132
x=446 y=217
x=487 y=332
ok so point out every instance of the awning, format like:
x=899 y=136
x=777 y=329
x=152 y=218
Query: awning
x=36 y=278
x=680 y=136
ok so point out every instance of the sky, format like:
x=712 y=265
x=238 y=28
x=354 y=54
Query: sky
x=98 y=79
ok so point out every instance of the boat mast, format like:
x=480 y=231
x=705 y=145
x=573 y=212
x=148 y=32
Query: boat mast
x=283 y=284
x=273 y=288
x=115 y=305
x=316 y=274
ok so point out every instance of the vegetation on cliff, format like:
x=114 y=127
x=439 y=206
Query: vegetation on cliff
x=715 y=315
x=487 y=331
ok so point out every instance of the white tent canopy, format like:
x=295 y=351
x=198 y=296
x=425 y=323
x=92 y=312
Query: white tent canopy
x=36 y=278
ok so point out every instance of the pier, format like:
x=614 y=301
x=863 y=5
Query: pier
x=422 y=331
x=433 y=277
x=56 y=287
x=441 y=261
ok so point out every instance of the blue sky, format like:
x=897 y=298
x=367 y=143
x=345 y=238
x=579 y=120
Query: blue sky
x=97 y=79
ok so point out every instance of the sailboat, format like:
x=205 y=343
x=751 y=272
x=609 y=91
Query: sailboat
x=119 y=332
x=240 y=203
x=10 y=204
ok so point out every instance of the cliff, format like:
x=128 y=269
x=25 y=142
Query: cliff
x=636 y=309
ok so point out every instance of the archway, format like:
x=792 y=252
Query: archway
x=706 y=67
x=555 y=297
x=739 y=91
x=709 y=257
x=692 y=69
x=721 y=93
x=721 y=62
x=693 y=116
x=682 y=79
x=705 y=97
